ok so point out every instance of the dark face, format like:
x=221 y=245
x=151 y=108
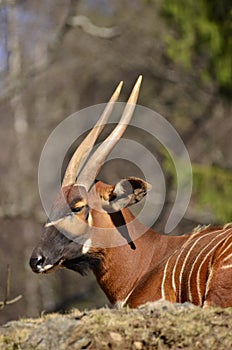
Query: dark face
x=62 y=241
x=56 y=250
x=75 y=213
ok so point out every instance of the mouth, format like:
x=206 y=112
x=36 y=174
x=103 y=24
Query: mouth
x=46 y=268
x=50 y=267
x=81 y=264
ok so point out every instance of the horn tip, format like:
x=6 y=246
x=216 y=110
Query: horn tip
x=119 y=87
x=135 y=92
x=116 y=92
x=139 y=80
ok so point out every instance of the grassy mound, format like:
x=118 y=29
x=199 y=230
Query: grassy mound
x=159 y=325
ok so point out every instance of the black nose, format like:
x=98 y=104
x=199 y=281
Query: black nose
x=37 y=263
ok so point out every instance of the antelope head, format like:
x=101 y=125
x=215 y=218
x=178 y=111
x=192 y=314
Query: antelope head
x=83 y=208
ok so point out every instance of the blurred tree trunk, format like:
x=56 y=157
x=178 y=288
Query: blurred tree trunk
x=21 y=153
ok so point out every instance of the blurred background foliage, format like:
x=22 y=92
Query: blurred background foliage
x=212 y=188
x=202 y=33
x=217 y=186
x=57 y=57
x=201 y=38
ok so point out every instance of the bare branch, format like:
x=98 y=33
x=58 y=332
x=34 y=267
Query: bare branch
x=6 y=300
x=8 y=283
x=9 y=302
x=72 y=20
x=90 y=28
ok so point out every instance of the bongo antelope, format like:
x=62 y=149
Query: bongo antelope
x=91 y=228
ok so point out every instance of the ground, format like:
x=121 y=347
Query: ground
x=159 y=325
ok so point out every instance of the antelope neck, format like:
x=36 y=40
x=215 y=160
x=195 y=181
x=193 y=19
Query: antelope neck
x=123 y=266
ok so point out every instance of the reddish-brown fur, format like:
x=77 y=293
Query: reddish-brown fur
x=134 y=277
x=135 y=268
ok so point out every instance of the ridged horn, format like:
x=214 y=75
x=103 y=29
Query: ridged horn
x=87 y=144
x=93 y=166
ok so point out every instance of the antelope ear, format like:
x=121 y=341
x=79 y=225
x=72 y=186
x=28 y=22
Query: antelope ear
x=127 y=192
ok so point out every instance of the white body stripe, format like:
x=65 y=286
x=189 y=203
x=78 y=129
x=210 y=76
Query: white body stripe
x=228 y=257
x=225 y=250
x=196 y=260
x=224 y=267
x=184 y=263
x=120 y=303
x=176 y=263
x=211 y=269
x=202 y=263
x=218 y=235
x=164 y=277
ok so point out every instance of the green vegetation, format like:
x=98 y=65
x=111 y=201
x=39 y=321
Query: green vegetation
x=203 y=37
x=212 y=188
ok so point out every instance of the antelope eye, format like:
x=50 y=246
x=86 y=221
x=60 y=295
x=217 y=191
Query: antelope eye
x=77 y=209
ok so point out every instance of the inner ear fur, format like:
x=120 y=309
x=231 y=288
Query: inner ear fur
x=127 y=192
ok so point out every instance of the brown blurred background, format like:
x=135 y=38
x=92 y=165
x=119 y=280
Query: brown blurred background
x=57 y=57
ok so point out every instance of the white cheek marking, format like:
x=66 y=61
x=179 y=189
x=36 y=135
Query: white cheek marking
x=53 y=223
x=90 y=220
x=86 y=246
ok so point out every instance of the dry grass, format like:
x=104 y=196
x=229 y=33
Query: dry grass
x=158 y=325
